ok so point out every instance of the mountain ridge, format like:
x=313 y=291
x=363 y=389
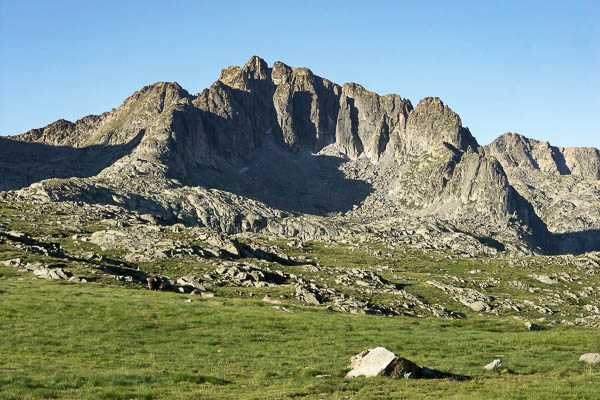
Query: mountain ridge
x=285 y=137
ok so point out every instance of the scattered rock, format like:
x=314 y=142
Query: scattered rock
x=78 y=279
x=545 y=279
x=52 y=273
x=15 y=262
x=541 y=309
x=308 y=295
x=532 y=327
x=591 y=308
x=282 y=308
x=471 y=298
x=190 y=284
x=590 y=358
x=493 y=365
x=271 y=300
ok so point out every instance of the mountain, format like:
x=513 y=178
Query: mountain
x=562 y=185
x=281 y=151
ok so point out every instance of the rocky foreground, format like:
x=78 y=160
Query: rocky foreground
x=371 y=273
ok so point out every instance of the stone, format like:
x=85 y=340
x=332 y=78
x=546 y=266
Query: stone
x=272 y=300
x=471 y=298
x=382 y=362
x=545 y=279
x=282 y=308
x=14 y=262
x=493 y=365
x=307 y=296
x=590 y=358
x=478 y=306
x=191 y=283
x=370 y=362
x=52 y=273
x=591 y=308
x=532 y=327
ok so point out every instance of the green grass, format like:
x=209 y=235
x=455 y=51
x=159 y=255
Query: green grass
x=74 y=341
x=113 y=340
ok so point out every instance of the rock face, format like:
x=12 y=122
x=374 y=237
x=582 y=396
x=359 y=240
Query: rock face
x=432 y=123
x=264 y=146
x=517 y=151
x=561 y=184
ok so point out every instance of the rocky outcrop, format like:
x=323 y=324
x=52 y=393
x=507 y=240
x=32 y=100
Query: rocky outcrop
x=432 y=123
x=561 y=184
x=517 y=151
x=367 y=122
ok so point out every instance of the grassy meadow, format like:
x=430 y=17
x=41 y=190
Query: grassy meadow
x=78 y=341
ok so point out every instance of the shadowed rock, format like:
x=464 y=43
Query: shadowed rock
x=382 y=362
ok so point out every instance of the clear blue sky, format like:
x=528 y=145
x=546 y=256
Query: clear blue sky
x=523 y=66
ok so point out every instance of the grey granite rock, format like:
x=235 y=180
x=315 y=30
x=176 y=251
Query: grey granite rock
x=281 y=150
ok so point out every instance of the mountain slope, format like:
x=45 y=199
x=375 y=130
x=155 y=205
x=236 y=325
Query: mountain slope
x=262 y=147
x=562 y=185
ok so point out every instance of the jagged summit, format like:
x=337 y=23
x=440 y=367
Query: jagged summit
x=300 y=109
x=516 y=150
x=262 y=143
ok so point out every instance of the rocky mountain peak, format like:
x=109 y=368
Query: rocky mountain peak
x=156 y=97
x=514 y=150
x=433 y=122
x=258 y=66
x=243 y=78
x=284 y=140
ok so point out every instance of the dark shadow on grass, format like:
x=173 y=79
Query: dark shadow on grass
x=428 y=373
x=199 y=379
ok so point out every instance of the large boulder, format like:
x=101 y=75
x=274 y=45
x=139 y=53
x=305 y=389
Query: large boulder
x=382 y=362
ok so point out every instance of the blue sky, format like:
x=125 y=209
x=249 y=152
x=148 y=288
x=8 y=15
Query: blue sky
x=522 y=66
